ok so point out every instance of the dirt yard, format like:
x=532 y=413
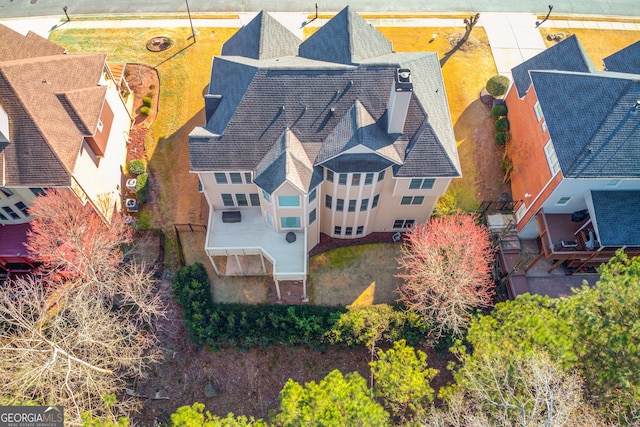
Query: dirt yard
x=245 y=383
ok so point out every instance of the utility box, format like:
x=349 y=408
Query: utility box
x=131 y=184
x=131 y=205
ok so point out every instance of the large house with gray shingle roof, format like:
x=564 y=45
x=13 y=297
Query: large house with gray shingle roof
x=338 y=135
x=64 y=125
x=575 y=151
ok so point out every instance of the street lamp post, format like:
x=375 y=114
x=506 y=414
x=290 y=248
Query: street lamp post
x=538 y=23
x=193 y=32
x=64 y=8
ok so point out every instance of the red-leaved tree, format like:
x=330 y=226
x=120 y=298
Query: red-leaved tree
x=84 y=327
x=72 y=241
x=446 y=271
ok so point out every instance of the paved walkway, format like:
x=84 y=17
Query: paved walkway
x=513 y=37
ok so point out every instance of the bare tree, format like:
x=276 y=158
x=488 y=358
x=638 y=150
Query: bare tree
x=446 y=271
x=83 y=326
x=469 y=23
x=520 y=390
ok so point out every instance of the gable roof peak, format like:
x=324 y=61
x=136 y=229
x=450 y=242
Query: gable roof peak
x=568 y=55
x=262 y=38
x=345 y=39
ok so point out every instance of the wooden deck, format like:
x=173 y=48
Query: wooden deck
x=563 y=240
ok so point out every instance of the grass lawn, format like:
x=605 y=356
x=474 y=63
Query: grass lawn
x=184 y=71
x=465 y=74
x=597 y=43
x=361 y=275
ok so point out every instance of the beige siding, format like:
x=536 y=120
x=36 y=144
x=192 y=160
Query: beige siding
x=100 y=178
x=214 y=191
x=300 y=211
x=23 y=195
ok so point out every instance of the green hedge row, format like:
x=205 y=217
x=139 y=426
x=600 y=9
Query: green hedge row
x=247 y=326
x=142 y=187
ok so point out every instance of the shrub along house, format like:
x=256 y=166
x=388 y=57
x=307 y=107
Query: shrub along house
x=63 y=124
x=576 y=154
x=336 y=135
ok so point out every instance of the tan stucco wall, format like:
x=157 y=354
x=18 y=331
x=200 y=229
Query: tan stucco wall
x=101 y=179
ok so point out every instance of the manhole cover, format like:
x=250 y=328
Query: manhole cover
x=158 y=44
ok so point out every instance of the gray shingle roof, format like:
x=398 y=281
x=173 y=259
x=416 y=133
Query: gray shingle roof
x=626 y=60
x=262 y=38
x=286 y=160
x=346 y=39
x=617 y=217
x=356 y=128
x=568 y=55
x=594 y=135
x=330 y=107
x=361 y=162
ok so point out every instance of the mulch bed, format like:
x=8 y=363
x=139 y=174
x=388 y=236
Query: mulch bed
x=143 y=81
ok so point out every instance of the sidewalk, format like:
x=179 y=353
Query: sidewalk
x=513 y=37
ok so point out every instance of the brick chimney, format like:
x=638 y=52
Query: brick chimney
x=399 y=101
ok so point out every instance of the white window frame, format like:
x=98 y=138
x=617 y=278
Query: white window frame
x=520 y=212
x=266 y=196
x=614 y=183
x=552 y=158
x=226 y=178
x=562 y=202
x=538 y=110
x=296 y=227
x=285 y=206
x=100 y=125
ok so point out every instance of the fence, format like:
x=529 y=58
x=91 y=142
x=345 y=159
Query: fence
x=154 y=237
x=498 y=206
x=198 y=228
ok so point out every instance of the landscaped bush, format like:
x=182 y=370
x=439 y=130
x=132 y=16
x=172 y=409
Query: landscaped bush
x=506 y=164
x=145 y=111
x=499 y=111
x=247 y=326
x=136 y=167
x=146 y=101
x=142 y=187
x=501 y=125
x=497 y=85
x=501 y=138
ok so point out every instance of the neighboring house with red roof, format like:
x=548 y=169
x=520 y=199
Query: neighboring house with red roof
x=63 y=124
x=338 y=135
x=575 y=151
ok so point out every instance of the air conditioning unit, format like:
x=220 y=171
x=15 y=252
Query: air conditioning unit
x=131 y=205
x=131 y=184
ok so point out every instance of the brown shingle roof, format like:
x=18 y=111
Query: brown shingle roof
x=14 y=45
x=52 y=102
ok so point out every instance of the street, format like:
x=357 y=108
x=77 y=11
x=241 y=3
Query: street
x=36 y=8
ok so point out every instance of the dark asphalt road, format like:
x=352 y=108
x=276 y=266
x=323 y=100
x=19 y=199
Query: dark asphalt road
x=32 y=8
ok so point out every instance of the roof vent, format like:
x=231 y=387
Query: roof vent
x=634 y=110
